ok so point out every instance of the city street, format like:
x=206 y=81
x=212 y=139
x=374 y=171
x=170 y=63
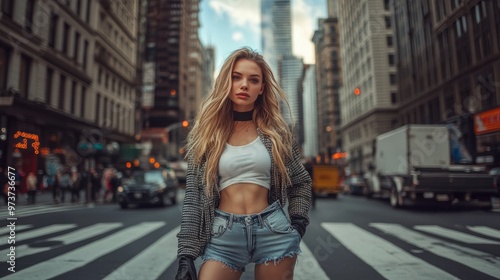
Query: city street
x=349 y=238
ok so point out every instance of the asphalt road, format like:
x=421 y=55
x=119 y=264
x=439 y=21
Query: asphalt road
x=348 y=238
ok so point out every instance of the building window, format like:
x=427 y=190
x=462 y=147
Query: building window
x=65 y=38
x=7 y=8
x=28 y=19
x=85 y=49
x=487 y=89
x=4 y=67
x=394 y=98
x=393 y=79
x=87 y=16
x=54 y=19
x=24 y=75
x=465 y=93
x=78 y=7
x=48 y=85
x=482 y=33
x=389 y=41
x=76 y=46
x=391 y=60
x=97 y=107
x=388 y=22
x=73 y=97
x=440 y=10
x=449 y=103
x=62 y=92
x=104 y=122
x=82 y=101
x=386 y=5
x=463 y=51
x=455 y=3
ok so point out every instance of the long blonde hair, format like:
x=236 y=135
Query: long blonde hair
x=213 y=123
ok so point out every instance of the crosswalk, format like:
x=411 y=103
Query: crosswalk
x=383 y=247
x=22 y=211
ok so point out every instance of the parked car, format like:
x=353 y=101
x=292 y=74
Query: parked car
x=149 y=187
x=355 y=184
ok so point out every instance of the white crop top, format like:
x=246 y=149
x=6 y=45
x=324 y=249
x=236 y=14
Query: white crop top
x=249 y=163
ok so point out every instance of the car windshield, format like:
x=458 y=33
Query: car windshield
x=148 y=177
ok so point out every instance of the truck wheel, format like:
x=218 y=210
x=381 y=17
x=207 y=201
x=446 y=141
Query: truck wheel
x=396 y=199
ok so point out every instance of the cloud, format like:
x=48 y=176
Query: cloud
x=304 y=23
x=241 y=13
x=237 y=36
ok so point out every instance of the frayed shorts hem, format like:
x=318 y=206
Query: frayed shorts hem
x=231 y=266
x=276 y=260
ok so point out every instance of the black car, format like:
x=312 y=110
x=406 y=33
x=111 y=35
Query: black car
x=149 y=187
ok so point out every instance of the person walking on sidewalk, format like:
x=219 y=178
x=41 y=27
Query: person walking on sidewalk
x=32 y=186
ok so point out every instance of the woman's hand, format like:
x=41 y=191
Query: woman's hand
x=187 y=270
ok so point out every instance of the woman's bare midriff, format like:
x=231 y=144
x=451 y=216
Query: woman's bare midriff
x=243 y=199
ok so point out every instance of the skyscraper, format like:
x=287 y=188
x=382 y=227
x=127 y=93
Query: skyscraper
x=277 y=50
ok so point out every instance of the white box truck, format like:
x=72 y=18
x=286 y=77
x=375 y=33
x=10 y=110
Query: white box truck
x=413 y=164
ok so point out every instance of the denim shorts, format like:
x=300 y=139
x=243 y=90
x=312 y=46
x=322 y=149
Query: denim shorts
x=240 y=239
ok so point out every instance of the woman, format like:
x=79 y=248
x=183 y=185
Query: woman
x=243 y=166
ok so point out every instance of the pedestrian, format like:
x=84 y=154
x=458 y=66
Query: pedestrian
x=64 y=184
x=31 y=185
x=243 y=166
x=95 y=185
x=75 y=185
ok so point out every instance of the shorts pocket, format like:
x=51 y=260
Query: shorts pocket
x=219 y=226
x=277 y=222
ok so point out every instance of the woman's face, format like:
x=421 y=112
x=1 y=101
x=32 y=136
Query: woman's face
x=246 y=85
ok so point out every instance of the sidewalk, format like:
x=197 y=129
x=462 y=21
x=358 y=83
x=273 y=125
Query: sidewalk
x=45 y=198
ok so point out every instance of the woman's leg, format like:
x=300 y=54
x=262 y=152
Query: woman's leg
x=283 y=270
x=214 y=270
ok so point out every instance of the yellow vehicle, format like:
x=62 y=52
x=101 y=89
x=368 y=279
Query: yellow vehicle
x=326 y=179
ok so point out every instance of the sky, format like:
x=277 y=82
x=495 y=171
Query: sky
x=231 y=24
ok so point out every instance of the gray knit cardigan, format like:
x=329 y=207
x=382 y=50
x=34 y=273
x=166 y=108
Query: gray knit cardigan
x=198 y=210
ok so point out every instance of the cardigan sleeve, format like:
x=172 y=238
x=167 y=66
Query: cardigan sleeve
x=299 y=192
x=188 y=236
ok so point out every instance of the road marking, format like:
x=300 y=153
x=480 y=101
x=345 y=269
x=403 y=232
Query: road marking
x=66 y=239
x=485 y=231
x=18 y=228
x=456 y=235
x=151 y=262
x=307 y=267
x=474 y=259
x=86 y=254
x=42 y=210
x=387 y=259
x=42 y=231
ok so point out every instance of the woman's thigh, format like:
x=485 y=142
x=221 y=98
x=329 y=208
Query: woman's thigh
x=280 y=271
x=214 y=270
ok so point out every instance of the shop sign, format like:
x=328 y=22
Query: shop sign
x=488 y=121
x=24 y=136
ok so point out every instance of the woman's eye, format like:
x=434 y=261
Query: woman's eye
x=255 y=81
x=236 y=77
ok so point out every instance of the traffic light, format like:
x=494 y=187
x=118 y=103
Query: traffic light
x=357 y=91
x=185 y=123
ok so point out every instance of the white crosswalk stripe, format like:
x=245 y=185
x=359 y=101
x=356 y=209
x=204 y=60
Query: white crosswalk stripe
x=17 y=228
x=475 y=259
x=371 y=244
x=26 y=211
x=387 y=259
x=151 y=262
x=66 y=239
x=84 y=255
x=453 y=234
x=485 y=231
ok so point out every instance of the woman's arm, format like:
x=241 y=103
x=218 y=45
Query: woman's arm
x=188 y=236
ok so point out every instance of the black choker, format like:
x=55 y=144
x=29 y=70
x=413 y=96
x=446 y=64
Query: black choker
x=242 y=116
